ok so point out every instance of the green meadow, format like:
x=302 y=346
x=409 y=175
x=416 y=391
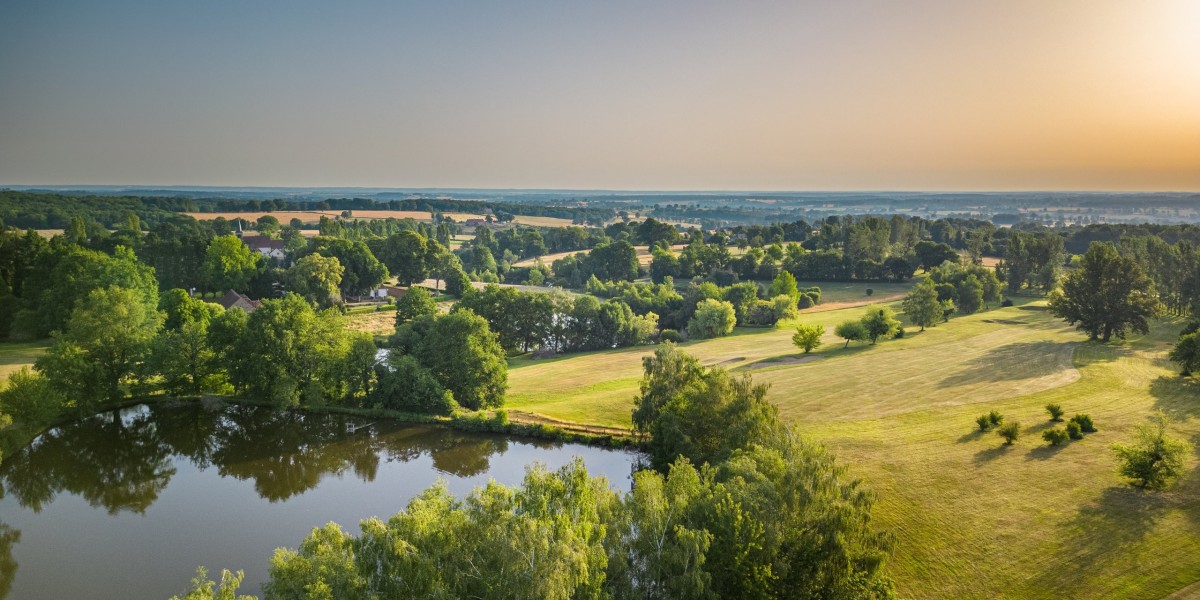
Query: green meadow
x=971 y=517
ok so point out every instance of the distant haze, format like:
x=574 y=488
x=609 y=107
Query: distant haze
x=919 y=95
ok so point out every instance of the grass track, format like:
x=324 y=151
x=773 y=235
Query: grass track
x=14 y=355
x=972 y=518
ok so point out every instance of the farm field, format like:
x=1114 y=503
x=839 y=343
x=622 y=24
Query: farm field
x=971 y=518
x=14 y=355
x=542 y=221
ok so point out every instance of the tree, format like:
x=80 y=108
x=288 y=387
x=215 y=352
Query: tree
x=1107 y=295
x=229 y=264
x=879 y=321
x=202 y=587
x=713 y=318
x=1154 y=458
x=106 y=339
x=181 y=353
x=316 y=278
x=1055 y=411
x=1187 y=353
x=931 y=254
x=808 y=337
x=921 y=304
x=416 y=302
x=407 y=386
x=851 y=331
x=784 y=284
x=362 y=271
x=970 y=295
x=404 y=256
x=462 y=353
x=61 y=278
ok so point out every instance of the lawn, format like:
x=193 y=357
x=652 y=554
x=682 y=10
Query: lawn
x=14 y=355
x=972 y=519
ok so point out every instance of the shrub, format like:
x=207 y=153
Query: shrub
x=995 y=418
x=1155 y=458
x=29 y=398
x=1011 y=431
x=1055 y=436
x=713 y=318
x=1074 y=431
x=984 y=422
x=805 y=301
x=784 y=307
x=870 y=292
x=1056 y=412
x=1085 y=423
x=808 y=337
x=1006 y=302
x=670 y=335
x=899 y=333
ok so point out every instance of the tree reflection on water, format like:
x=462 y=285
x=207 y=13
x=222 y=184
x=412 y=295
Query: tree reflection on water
x=122 y=461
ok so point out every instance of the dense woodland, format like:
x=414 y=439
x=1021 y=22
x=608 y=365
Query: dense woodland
x=735 y=503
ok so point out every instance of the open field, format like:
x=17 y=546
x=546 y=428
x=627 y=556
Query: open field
x=972 y=519
x=643 y=255
x=14 y=355
x=542 y=221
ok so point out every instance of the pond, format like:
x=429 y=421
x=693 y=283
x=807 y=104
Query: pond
x=127 y=504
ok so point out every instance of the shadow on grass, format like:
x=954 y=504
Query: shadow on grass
x=1011 y=362
x=1178 y=397
x=970 y=437
x=1040 y=427
x=1118 y=519
x=988 y=455
x=1045 y=452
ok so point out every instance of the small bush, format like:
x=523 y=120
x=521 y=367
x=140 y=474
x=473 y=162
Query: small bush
x=899 y=333
x=805 y=301
x=1074 y=431
x=995 y=418
x=1010 y=432
x=1085 y=423
x=1007 y=302
x=1056 y=412
x=984 y=423
x=1055 y=436
x=670 y=335
x=870 y=292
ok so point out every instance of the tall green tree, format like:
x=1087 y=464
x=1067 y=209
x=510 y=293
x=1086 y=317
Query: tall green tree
x=1107 y=295
x=713 y=318
x=181 y=353
x=362 y=271
x=404 y=256
x=105 y=341
x=317 y=278
x=1187 y=353
x=462 y=353
x=229 y=264
x=921 y=304
x=970 y=295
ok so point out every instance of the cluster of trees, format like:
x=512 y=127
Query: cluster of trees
x=558 y=322
x=737 y=505
x=439 y=361
x=878 y=322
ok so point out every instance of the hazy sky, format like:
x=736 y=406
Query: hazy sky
x=917 y=95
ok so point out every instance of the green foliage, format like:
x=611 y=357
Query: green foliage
x=1056 y=412
x=985 y=424
x=670 y=335
x=783 y=307
x=416 y=302
x=1187 y=353
x=1154 y=458
x=713 y=318
x=361 y=273
x=851 y=331
x=805 y=301
x=1074 y=431
x=879 y=321
x=405 y=385
x=1055 y=436
x=106 y=339
x=784 y=284
x=1085 y=423
x=462 y=353
x=202 y=587
x=229 y=264
x=182 y=353
x=970 y=295
x=808 y=337
x=1010 y=431
x=921 y=304
x=29 y=398
x=404 y=255
x=995 y=418
x=317 y=278
x=1107 y=295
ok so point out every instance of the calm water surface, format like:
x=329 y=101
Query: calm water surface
x=126 y=505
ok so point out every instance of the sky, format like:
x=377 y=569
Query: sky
x=646 y=95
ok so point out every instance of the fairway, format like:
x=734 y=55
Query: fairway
x=14 y=355
x=972 y=519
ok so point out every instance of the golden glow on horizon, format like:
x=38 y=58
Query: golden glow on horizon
x=925 y=94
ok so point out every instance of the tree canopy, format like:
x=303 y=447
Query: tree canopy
x=1107 y=295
